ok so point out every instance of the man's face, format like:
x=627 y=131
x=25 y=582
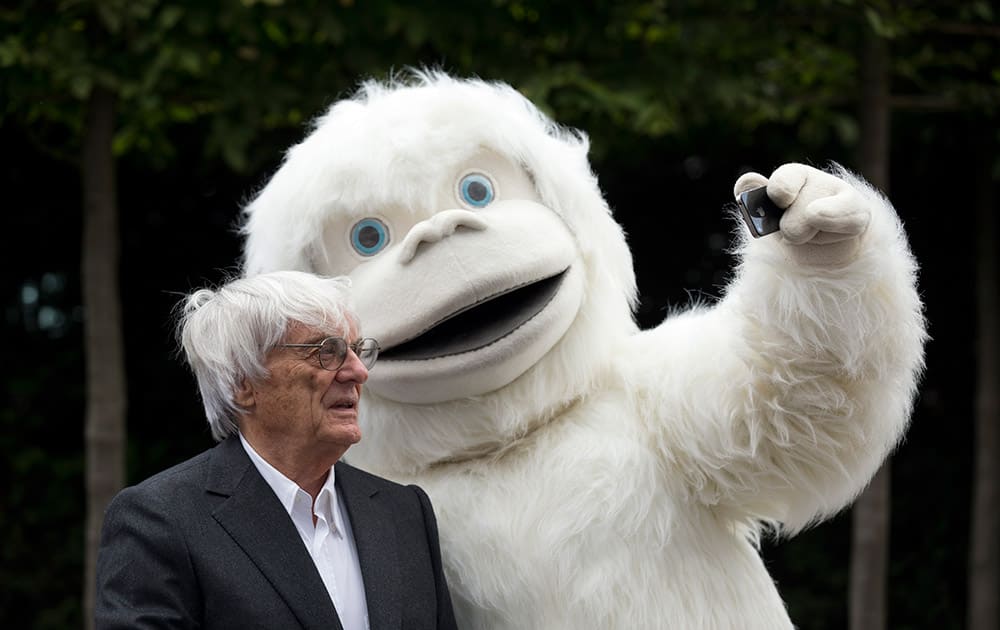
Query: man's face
x=302 y=410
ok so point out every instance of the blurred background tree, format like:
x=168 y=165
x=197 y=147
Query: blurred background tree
x=176 y=111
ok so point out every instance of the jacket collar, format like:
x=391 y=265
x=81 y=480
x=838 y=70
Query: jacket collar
x=255 y=519
x=375 y=537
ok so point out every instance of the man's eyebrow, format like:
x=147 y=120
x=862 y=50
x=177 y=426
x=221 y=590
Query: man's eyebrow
x=315 y=340
x=323 y=337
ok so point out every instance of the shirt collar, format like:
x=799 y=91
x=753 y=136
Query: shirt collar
x=287 y=490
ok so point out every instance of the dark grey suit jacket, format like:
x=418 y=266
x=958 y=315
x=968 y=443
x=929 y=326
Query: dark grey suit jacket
x=207 y=544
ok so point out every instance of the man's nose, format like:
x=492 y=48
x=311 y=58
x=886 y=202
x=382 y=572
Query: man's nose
x=353 y=369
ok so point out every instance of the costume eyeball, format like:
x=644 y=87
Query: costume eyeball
x=576 y=488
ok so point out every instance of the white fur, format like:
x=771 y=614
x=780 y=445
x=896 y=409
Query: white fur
x=624 y=479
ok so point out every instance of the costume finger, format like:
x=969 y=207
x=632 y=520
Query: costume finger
x=748 y=181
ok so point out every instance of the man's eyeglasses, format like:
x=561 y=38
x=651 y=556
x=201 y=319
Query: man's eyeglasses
x=332 y=351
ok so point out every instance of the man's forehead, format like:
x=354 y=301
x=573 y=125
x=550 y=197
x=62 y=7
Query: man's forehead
x=298 y=332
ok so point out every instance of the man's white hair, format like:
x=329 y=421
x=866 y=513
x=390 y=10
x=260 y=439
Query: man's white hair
x=226 y=332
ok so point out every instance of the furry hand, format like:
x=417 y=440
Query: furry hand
x=824 y=215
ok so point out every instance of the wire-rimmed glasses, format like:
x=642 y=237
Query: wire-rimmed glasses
x=332 y=351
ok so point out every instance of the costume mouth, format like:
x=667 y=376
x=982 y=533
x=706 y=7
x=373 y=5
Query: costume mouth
x=480 y=324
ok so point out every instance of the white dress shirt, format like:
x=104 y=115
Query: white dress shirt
x=330 y=541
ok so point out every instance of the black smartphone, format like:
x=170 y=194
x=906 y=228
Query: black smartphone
x=759 y=212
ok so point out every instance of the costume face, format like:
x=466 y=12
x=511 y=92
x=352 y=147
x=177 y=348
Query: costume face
x=464 y=292
x=301 y=407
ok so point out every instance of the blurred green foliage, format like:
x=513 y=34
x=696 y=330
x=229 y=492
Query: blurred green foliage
x=674 y=94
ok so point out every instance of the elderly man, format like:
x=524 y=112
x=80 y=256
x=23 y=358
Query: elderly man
x=269 y=529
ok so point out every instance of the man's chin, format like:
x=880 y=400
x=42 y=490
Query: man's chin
x=344 y=430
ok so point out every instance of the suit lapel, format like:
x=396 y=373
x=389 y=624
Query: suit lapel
x=254 y=517
x=375 y=537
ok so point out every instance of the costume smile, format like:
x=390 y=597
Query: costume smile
x=478 y=325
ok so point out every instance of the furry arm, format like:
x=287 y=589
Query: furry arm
x=799 y=383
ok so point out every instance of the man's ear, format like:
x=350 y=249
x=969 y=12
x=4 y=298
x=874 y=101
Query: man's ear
x=245 y=395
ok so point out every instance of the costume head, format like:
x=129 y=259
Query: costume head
x=483 y=256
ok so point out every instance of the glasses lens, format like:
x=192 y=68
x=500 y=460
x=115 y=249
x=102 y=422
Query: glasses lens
x=332 y=353
x=367 y=351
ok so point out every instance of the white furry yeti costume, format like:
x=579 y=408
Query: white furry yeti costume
x=587 y=474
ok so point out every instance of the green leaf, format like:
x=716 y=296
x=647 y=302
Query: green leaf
x=170 y=16
x=274 y=33
x=80 y=86
x=11 y=51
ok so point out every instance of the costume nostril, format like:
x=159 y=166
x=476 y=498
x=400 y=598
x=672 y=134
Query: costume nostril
x=439 y=226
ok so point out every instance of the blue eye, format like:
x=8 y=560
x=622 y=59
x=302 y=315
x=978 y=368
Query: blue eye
x=476 y=190
x=369 y=236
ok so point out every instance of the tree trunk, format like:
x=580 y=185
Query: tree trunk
x=984 y=539
x=867 y=596
x=104 y=428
